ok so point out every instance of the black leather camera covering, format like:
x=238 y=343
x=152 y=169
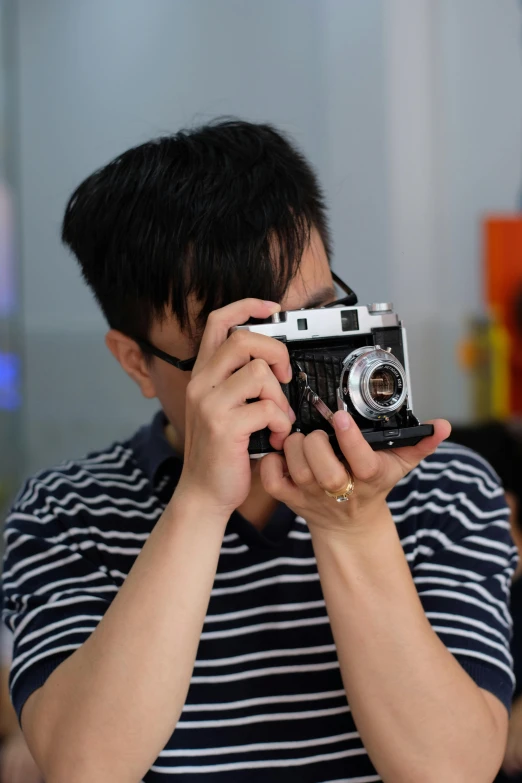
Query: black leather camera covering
x=323 y=371
x=322 y=361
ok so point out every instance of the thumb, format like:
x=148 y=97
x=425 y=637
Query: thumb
x=414 y=454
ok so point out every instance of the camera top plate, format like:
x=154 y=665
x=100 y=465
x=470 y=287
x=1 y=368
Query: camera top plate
x=323 y=322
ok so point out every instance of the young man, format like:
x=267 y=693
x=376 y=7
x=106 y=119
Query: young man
x=175 y=617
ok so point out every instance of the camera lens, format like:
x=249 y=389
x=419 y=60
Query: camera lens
x=373 y=381
x=382 y=385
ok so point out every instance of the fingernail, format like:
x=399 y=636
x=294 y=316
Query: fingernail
x=273 y=305
x=291 y=414
x=289 y=373
x=343 y=420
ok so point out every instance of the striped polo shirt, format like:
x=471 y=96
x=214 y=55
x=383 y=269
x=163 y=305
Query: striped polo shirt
x=266 y=699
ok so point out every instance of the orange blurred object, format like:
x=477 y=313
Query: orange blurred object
x=503 y=287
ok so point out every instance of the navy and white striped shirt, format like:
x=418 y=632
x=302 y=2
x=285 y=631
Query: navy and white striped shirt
x=266 y=700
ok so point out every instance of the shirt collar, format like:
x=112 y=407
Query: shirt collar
x=152 y=450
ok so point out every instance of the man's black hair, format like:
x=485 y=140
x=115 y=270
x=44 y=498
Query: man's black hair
x=222 y=212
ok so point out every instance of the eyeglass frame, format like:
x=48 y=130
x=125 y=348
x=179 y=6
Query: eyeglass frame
x=186 y=365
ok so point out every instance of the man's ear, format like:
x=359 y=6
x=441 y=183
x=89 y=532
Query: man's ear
x=129 y=355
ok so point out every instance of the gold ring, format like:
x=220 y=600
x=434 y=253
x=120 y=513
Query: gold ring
x=343 y=494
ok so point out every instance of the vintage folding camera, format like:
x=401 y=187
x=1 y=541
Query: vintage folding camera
x=346 y=358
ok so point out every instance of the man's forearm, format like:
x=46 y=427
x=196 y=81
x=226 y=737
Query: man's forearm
x=110 y=708
x=420 y=716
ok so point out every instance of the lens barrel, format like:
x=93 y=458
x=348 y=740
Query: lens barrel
x=374 y=382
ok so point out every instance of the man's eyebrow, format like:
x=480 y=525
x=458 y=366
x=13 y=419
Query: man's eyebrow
x=321 y=297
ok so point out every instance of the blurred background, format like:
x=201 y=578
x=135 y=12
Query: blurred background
x=411 y=111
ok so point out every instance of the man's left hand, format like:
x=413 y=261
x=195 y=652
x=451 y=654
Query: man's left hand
x=310 y=466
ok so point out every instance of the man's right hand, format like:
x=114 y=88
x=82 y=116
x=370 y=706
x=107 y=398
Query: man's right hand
x=228 y=372
x=158 y=613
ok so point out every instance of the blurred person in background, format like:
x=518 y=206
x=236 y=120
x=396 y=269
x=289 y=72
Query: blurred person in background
x=182 y=612
x=503 y=451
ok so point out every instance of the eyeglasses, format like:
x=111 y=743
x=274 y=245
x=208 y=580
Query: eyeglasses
x=349 y=299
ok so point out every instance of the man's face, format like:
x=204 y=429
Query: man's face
x=312 y=285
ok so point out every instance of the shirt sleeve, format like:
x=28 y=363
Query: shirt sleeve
x=56 y=588
x=464 y=561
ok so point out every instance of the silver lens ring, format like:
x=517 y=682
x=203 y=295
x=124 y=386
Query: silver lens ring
x=375 y=382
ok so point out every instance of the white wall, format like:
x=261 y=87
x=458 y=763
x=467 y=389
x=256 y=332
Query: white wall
x=480 y=129
x=482 y=126
x=455 y=153
x=411 y=112
x=353 y=135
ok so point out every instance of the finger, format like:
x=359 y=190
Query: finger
x=363 y=461
x=276 y=481
x=297 y=464
x=412 y=455
x=254 y=380
x=239 y=349
x=328 y=471
x=258 y=415
x=221 y=321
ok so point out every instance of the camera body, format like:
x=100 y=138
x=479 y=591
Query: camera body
x=345 y=358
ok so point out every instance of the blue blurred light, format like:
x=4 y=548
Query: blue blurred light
x=10 y=398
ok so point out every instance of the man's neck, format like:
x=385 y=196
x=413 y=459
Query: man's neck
x=259 y=505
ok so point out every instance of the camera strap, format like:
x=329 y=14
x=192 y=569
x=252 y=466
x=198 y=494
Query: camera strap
x=308 y=394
